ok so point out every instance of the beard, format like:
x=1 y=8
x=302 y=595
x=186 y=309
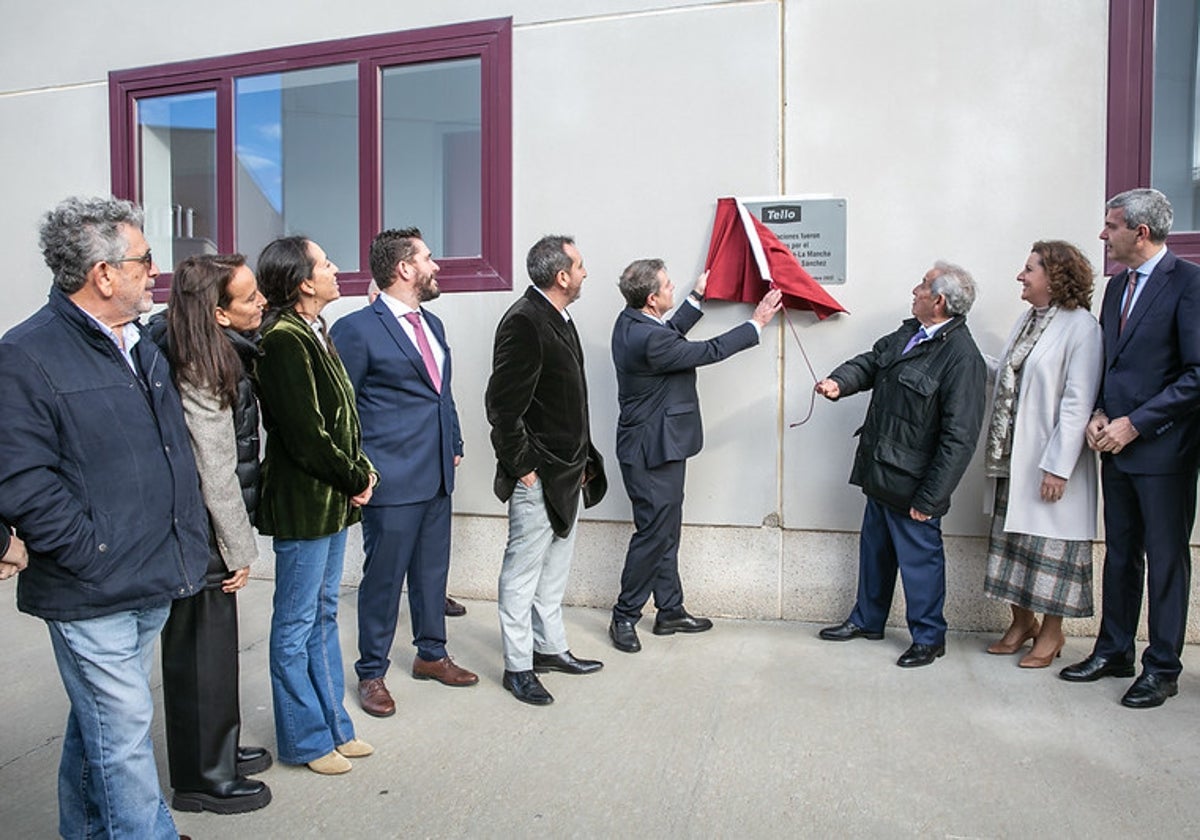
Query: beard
x=428 y=289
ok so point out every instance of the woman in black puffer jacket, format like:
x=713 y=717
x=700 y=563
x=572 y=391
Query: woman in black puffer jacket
x=209 y=332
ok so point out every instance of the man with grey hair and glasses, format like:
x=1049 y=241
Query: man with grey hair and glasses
x=928 y=384
x=1146 y=427
x=98 y=478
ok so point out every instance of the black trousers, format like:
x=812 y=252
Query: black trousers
x=1147 y=524
x=200 y=685
x=652 y=560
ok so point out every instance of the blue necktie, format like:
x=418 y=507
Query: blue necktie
x=917 y=338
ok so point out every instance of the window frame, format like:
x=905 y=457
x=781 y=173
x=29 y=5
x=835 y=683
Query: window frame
x=488 y=40
x=1130 y=107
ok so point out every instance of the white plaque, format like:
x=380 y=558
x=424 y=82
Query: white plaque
x=813 y=227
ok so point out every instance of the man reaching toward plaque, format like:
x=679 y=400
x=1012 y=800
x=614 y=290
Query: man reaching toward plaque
x=658 y=430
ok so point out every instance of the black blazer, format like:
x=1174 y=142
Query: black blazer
x=536 y=403
x=1152 y=368
x=656 y=383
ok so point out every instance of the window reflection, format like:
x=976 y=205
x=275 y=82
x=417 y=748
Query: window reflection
x=296 y=137
x=1175 y=158
x=178 y=174
x=432 y=153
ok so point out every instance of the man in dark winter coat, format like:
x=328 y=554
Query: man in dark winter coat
x=97 y=475
x=928 y=382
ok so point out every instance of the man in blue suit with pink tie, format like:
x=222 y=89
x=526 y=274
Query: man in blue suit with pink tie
x=399 y=362
x=1147 y=428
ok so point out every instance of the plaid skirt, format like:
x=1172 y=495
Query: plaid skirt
x=1037 y=573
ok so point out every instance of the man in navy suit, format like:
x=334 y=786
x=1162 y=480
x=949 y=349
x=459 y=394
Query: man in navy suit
x=399 y=362
x=658 y=430
x=1147 y=428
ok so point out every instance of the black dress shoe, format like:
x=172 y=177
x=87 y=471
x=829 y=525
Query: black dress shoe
x=846 y=631
x=565 y=662
x=235 y=797
x=251 y=760
x=684 y=623
x=1149 y=690
x=918 y=655
x=527 y=688
x=454 y=609
x=623 y=636
x=1095 y=667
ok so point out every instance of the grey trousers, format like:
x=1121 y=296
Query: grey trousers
x=533 y=577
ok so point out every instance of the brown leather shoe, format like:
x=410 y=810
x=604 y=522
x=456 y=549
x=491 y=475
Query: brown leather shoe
x=444 y=671
x=454 y=609
x=375 y=699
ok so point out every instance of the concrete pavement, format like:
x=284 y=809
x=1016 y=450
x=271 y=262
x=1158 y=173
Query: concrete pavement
x=756 y=729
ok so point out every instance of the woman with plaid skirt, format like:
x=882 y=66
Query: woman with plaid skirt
x=1044 y=511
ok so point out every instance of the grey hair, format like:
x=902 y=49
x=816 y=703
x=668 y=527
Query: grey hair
x=81 y=232
x=639 y=280
x=1147 y=207
x=547 y=257
x=955 y=284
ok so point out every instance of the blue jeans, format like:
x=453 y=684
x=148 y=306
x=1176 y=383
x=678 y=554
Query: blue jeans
x=107 y=778
x=307 y=683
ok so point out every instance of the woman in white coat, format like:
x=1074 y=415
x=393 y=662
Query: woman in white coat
x=1044 y=512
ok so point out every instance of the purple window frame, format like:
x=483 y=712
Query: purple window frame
x=488 y=40
x=1130 y=103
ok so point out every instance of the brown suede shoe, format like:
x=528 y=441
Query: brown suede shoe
x=454 y=609
x=375 y=699
x=444 y=671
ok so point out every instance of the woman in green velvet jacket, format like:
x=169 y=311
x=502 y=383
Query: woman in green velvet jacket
x=315 y=478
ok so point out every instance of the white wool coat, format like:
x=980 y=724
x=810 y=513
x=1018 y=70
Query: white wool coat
x=1058 y=388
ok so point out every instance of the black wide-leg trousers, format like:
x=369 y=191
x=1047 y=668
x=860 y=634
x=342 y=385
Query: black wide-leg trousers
x=200 y=686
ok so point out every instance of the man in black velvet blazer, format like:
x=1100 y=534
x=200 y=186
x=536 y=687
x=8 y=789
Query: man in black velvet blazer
x=537 y=406
x=658 y=430
x=1147 y=428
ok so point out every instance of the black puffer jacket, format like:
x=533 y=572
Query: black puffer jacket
x=245 y=420
x=924 y=419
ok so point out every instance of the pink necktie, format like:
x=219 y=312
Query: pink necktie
x=414 y=318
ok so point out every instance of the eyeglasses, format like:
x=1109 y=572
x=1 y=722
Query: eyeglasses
x=146 y=259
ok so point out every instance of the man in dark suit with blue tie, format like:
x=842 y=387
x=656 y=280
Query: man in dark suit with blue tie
x=658 y=430
x=1147 y=428
x=399 y=362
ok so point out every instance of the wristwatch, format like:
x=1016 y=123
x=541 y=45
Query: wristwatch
x=696 y=296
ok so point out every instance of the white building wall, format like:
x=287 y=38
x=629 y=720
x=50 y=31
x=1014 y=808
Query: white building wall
x=962 y=129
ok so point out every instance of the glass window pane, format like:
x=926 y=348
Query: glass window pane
x=1175 y=159
x=177 y=174
x=296 y=136
x=432 y=153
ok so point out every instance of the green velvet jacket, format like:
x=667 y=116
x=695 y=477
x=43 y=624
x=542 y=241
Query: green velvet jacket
x=313 y=462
